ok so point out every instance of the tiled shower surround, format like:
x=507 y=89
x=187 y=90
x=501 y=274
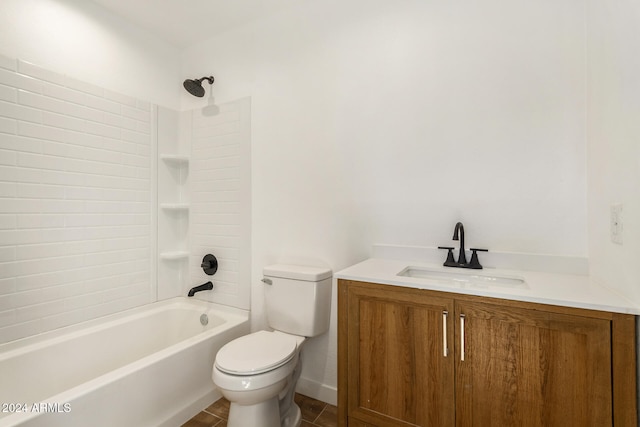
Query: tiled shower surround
x=220 y=204
x=76 y=200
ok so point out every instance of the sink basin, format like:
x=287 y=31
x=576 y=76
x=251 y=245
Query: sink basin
x=464 y=278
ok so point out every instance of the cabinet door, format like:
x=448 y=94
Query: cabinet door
x=521 y=367
x=399 y=370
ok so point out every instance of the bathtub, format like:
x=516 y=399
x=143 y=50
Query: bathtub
x=149 y=366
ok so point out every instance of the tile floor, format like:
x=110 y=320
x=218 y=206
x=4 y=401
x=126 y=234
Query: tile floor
x=314 y=414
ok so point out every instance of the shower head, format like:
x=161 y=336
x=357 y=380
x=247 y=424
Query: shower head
x=194 y=87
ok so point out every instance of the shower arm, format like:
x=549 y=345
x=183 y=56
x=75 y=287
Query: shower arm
x=208 y=79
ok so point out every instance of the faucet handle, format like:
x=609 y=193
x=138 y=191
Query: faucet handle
x=474 y=263
x=450 y=262
x=209 y=264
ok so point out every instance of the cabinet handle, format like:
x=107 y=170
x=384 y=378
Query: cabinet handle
x=462 y=337
x=445 y=346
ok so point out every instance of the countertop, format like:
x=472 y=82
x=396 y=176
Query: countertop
x=568 y=290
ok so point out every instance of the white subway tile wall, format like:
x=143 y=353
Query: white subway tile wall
x=76 y=165
x=220 y=212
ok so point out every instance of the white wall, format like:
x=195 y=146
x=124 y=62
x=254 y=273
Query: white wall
x=83 y=40
x=388 y=122
x=614 y=141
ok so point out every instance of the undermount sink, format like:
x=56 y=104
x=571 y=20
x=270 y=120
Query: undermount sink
x=463 y=278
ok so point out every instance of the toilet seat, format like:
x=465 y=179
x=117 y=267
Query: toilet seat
x=256 y=353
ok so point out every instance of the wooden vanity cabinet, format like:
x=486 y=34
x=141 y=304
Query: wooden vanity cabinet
x=410 y=357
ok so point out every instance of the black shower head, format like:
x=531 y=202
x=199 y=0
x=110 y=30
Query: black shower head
x=194 y=87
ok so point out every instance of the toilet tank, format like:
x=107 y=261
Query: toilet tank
x=298 y=299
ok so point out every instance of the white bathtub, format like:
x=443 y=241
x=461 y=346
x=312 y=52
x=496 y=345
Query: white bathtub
x=150 y=366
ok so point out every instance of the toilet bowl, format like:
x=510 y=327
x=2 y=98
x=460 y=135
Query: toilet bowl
x=258 y=372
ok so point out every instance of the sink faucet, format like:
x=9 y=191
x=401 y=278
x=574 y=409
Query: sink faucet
x=458 y=234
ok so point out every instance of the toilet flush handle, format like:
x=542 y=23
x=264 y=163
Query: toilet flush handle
x=267 y=281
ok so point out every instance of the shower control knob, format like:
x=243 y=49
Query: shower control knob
x=209 y=264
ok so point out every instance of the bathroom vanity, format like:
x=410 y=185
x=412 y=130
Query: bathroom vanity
x=436 y=348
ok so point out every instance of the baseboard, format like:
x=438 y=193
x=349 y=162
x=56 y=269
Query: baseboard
x=316 y=390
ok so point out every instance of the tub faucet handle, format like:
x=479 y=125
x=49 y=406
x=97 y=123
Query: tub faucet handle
x=209 y=264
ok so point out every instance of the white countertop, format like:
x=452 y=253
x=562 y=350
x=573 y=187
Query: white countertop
x=568 y=290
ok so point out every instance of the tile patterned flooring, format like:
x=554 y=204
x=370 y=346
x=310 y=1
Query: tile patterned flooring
x=314 y=414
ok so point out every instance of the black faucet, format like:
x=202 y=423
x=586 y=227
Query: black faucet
x=458 y=234
x=204 y=287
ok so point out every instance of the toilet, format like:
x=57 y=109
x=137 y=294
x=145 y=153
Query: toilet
x=258 y=372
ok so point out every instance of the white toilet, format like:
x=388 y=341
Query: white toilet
x=258 y=372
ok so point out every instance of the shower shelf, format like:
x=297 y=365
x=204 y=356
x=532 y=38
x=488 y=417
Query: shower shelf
x=175 y=159
x=174 y=255
x=175 y=206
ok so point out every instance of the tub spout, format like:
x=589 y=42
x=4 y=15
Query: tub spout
x=204 y=287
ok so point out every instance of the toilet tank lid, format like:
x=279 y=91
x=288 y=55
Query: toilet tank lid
x=297 y=272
